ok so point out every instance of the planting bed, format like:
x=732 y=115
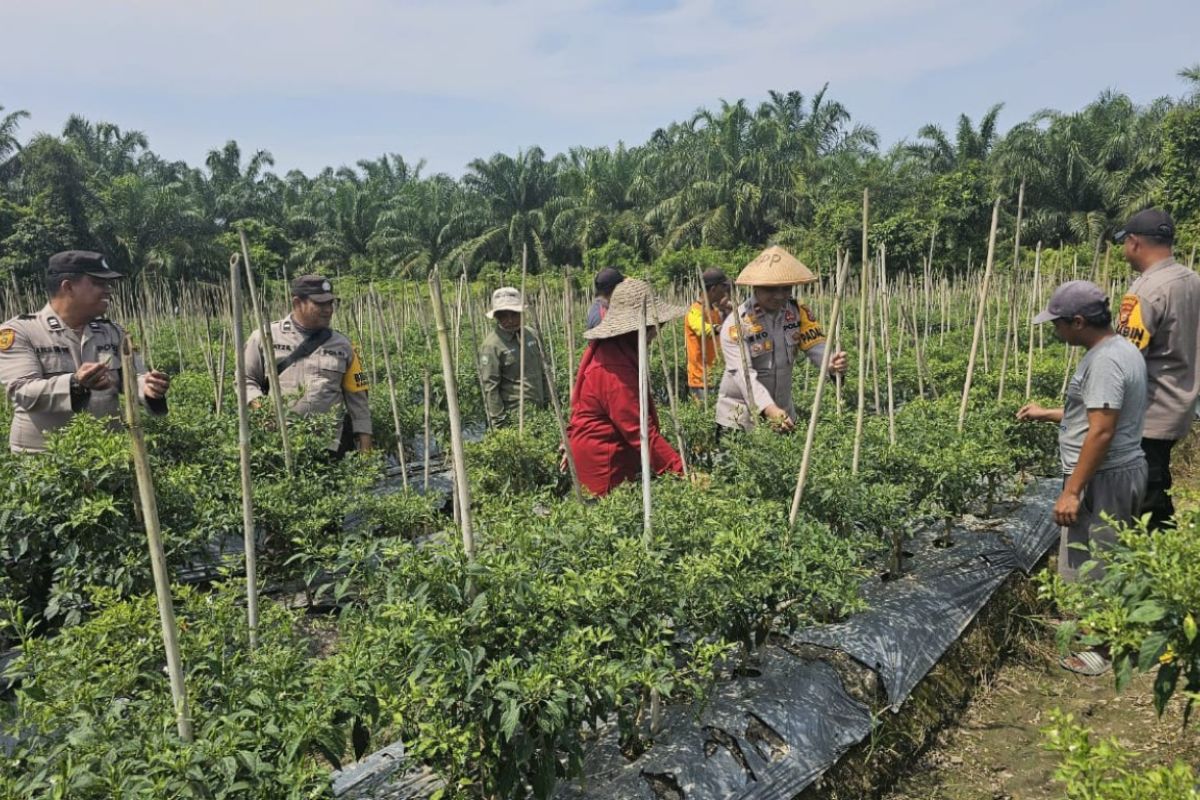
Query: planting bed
x=784 y=718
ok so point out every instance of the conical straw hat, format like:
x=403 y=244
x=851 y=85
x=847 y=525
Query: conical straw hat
x=625 y=310
x=775 y=267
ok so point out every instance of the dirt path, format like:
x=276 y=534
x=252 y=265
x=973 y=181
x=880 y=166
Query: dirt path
x=997 y=753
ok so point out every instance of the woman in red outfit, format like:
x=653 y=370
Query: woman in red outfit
x=605 y=432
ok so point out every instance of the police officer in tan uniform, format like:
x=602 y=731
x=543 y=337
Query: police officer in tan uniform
x=66 y=358
x=777 y=331
x=318 y=367
x=1160 y=314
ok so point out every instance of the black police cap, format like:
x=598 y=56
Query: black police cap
x=314 y=287
x=1149 y=222
x=74 y=262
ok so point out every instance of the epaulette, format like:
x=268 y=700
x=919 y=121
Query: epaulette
x=27 y=316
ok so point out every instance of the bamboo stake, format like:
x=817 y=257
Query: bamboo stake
x=558 y=415
x=644 y=420
x=1037 y=268
x=521 y=365
x=158 y=560
x=222 y=357
x=249 y=544
x=487 y=414
x=427 y=430
x=391 y=383
x=885 y=330
x=983 y=293
x=456 y=438
x=744 y=350
x=703 y=338
x=862 y=340
x=1012 y=295
x=268 y=346
x=815 y=413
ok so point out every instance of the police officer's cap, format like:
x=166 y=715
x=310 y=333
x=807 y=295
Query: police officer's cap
x=74 y=262
x=1148 y=222
x=313 y=287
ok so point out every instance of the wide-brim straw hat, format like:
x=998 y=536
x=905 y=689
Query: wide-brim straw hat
x=625 y=310
x=506 y=298
x=775 y=267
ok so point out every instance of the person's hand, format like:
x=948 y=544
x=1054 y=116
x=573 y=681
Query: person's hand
x=94 y=375
x=562 y=458
x=1031 y=412
x=839 y=363
x=779 y=418
x=156 y=385
x=256 y=403
x=1066 y=509
x=701 y=480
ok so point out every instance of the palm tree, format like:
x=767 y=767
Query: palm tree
x=941 y=155
x=10 y=147
x=423 y=226
x=731 y=185
x=236 y=193
x=600 y=193
x=104 y=146
x=514 y=191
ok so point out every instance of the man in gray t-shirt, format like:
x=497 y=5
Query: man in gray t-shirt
x=1100 y=427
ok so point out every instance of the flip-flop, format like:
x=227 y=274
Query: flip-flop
x=1089 y=663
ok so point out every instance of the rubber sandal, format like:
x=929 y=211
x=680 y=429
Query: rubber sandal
x=1089 y=663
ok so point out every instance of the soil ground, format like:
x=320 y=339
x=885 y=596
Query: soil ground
x=996 y=751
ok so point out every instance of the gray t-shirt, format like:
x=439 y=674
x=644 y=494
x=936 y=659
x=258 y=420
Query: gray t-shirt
x=1110 y=375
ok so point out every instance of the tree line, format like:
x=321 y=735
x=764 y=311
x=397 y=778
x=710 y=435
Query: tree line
x=790 y=170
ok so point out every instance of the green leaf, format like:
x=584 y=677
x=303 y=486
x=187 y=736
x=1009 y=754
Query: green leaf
x=1153 y=646
x=1148 y=612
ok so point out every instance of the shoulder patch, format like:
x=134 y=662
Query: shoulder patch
x=355 y=379
x=27 y=316
x=7 y=337
x=1129 y=321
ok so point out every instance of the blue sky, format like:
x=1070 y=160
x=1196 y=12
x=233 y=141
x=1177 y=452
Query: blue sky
x=327 y=82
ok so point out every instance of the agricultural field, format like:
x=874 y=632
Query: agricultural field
x=480 y=610
x=375 y=625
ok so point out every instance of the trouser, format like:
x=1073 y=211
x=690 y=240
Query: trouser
x=1116 y=492
x=1157 y=502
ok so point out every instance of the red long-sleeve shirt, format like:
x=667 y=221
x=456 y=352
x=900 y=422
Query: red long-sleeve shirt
x=605 y=432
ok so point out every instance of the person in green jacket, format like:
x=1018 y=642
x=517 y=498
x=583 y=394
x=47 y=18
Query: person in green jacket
x=500 y=361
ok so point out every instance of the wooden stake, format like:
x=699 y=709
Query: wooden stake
x=268 y=347
x=158 y=560
x=456 y=438
x=863 y=288
x=1037 y=268
x=644 y=420
x=983 y=294
x=815 y=413
x=239 y=371
x=521 y=365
